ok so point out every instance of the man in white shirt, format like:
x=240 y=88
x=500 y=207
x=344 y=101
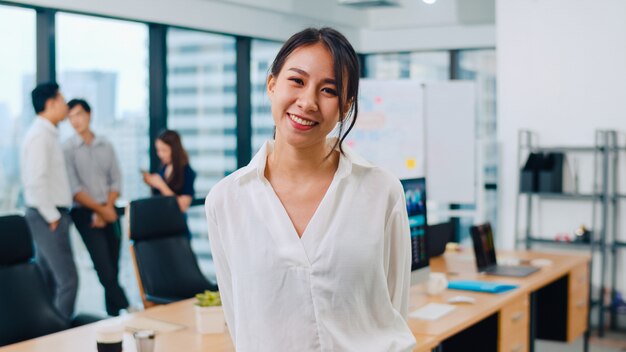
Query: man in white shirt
x=48 y=196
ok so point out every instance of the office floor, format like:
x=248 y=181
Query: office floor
x=612 y=342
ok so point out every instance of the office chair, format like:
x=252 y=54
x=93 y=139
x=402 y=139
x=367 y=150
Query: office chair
x=166 y=267
x=26 y=308
x=437 y=236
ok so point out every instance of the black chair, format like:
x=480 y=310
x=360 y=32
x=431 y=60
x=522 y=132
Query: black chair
x=26 y=308
x=166 y=267
x=437 y=236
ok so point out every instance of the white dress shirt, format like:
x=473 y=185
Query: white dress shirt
x=43 y=172
x=342 y=286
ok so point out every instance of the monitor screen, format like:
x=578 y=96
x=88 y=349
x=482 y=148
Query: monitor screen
x=484 y=247
x=415 y=194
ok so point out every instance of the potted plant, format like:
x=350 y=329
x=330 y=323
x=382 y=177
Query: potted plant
x=209 y=314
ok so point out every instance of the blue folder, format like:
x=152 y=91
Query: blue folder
x=480 y=286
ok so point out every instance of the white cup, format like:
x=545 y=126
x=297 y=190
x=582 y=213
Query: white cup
x=144 y=340
x=437 y=283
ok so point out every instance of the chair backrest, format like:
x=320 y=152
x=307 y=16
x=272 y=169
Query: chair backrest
x=165 y=264
x=26 y=309
x=438 y=236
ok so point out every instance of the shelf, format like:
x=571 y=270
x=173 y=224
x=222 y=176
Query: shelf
x=565 y=149
x=568 y=196
x=558 y=243
x=619 y=244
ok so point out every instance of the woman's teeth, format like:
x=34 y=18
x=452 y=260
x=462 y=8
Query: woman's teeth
x=301 y=121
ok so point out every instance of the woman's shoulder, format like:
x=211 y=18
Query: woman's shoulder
x=380 y=178
x=224 y=189
x=189 y=171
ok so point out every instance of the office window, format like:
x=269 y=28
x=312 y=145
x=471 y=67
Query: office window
x=112 y=75
x=261 y=58
x=424 y=66
x=201 y=102
x=201 y=107
x=480 y=67
x=17 y=77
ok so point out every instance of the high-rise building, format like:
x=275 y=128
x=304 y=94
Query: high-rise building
x=201 y=107
x=261 y=58
x=201 y=102
x=99 y=88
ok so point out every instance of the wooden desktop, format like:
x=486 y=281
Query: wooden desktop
x=495 y=322
x=549 y=304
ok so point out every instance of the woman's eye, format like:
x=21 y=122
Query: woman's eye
x=329 y=91
x=297 y=80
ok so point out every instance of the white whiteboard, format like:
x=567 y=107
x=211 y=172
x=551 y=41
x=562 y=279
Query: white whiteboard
x=450 y=126
x=415 y=130
x=389 y=128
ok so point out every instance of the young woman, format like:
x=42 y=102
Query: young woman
x=311 y=243
x=175 y=176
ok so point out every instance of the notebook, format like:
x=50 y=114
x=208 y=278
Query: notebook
x=480 y=286
x=432 y=311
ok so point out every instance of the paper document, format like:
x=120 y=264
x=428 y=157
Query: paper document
x=432 y=311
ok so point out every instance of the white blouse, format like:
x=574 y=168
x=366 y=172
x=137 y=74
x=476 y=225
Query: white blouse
x=342 y=286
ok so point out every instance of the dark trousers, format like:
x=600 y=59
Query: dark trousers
x=104 y=248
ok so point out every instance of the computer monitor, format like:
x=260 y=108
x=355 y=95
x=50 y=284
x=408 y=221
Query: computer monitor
x=415 y=194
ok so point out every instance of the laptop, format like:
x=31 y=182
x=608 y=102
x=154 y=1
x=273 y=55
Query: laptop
x=485 y=252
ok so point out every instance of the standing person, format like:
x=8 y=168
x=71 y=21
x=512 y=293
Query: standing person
x=311 y=243
x=95 y=182
x=175 y=176
x=48 y=196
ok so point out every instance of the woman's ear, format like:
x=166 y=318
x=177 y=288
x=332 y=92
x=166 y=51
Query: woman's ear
x=271 y=83
x=346 y=109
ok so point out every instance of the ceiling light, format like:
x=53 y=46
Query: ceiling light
x=429 y=2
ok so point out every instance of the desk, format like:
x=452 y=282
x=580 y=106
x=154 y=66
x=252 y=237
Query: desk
x=83 y=338
x=507 y=322
x=501 y=322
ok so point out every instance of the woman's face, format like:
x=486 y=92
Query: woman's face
x=305 y=105
x=164 y=152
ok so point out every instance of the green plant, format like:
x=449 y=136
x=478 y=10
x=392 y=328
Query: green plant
x=208 y=299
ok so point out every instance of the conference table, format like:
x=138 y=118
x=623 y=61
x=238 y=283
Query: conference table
x=501 y=322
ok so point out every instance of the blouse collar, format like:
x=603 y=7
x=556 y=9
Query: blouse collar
x=347 y=161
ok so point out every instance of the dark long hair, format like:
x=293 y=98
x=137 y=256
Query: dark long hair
x=345 y=64
x=179 y=159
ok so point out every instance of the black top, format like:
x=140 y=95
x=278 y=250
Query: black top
x=188 y=179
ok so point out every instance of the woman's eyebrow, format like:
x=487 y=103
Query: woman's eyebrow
x=304 y=73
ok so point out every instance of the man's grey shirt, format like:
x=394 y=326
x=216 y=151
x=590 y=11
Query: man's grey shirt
x=92 y=168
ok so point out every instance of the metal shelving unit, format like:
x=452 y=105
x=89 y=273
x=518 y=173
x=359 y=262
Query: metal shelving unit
x=603 y=202
x=616 y=244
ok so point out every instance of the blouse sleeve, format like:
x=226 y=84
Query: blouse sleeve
x=398 y=257
x=190 y=177
x=222 y=270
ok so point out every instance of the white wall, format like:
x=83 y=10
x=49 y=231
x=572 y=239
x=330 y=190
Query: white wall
x=427 y=38
x=561 y=73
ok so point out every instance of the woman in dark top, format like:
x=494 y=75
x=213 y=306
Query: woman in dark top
x=175 y=176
